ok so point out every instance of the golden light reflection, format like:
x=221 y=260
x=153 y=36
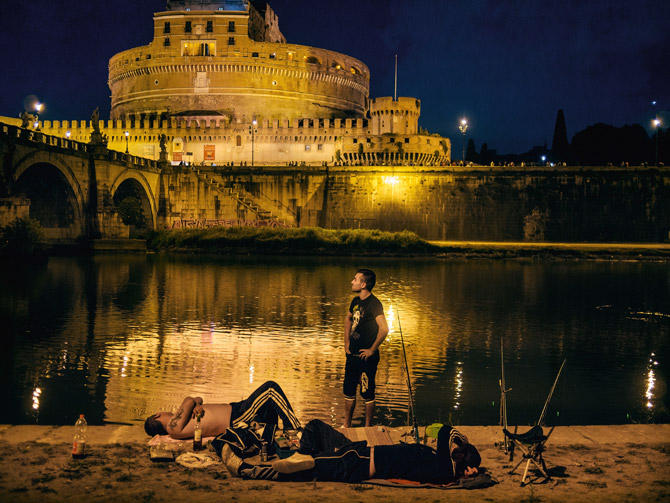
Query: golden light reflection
x=390 y=320
x=36 y=398
x=391 y=180
x=458 y=380
x=651 y=382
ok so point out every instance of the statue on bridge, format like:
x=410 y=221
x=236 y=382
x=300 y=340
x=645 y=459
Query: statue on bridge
x=162 y=141
x=95 y=120
x=27 y=119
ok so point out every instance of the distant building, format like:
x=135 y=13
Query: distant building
x=221 y=82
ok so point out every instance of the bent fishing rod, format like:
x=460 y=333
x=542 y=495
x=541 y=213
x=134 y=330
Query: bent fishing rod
x=415 y=426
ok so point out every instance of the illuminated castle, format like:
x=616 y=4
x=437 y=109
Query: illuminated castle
x=221 y=82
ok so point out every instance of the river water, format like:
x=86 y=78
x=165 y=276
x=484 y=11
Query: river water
x=119 y=337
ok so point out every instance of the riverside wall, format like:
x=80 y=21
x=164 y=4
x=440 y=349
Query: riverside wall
x=497 y=204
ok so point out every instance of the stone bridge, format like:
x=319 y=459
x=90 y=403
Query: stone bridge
x=73 y=188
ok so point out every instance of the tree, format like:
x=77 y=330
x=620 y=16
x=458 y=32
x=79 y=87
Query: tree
x=560 y=148
x=471 y=152
x=601 y=144
x=23 y=237
x=130 y=212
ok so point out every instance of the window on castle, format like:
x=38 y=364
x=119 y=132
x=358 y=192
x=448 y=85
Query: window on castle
x=308 y=148
x=355 y=140
x=187 y=27
x=198 y=49
x=319 y=146
x=406 y=140
x=392 y=140
x=254 y=54
x=273 y=56
x=238 y=140
x=166 y=28
x=231 y=40
x=210 y=27
x=231 y=26
x=166 y=42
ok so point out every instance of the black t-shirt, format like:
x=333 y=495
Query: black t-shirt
x=412 y=462
x=419 y=462
x=364 y=326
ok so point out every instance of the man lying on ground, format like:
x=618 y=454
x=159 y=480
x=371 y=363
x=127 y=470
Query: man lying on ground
x=265 y=405
x=327 y=455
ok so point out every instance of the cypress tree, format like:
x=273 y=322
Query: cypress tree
x=560 y=149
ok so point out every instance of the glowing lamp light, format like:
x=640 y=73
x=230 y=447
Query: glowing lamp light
x=391 y=180
x=544 y=158
x=38 y=107
x=67 y=134
x=656 y=122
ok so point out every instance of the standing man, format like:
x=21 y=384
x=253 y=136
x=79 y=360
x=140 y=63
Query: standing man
x=365 y=328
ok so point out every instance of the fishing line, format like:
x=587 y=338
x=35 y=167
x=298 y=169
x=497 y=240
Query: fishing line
x=415 y=427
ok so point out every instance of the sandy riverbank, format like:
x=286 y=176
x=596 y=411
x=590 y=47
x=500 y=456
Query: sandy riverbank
x=591 y=464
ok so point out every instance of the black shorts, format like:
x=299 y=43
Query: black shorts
x=359 y=370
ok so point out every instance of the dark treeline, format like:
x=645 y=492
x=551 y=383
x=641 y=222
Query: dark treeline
x=597 y=145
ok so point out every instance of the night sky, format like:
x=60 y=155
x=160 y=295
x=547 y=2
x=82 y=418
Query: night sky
x=508 y=66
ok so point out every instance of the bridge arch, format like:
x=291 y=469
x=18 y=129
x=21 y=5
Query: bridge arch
x=56 y=198
x=134 y=184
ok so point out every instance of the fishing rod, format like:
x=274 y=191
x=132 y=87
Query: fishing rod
x=503 y=395
x=415 y=426
x=551 y=392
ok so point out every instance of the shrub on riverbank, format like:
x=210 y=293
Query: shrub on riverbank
x=308 y=240
x=22 y=238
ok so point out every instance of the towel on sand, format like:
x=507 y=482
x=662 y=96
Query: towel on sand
x=198 y=459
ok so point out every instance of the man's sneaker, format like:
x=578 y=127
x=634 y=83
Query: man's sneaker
x=232 y=461
x=295 y=463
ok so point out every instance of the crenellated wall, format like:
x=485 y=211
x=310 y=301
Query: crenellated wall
x=214 y=140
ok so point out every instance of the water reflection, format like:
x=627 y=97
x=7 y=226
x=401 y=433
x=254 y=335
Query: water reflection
x=120 y=337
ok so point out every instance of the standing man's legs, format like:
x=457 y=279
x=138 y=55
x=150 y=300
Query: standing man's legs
x=352 y=375
x=265 y=405
x=364 y=371
x=368 y=386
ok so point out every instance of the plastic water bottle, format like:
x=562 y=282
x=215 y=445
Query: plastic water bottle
x=197 y=434
x=79 y=442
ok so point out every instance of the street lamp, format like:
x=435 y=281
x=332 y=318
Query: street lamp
x=38 y=109
x=463 y=128
x=656 y=122
x=252 y=128
x=127 y=134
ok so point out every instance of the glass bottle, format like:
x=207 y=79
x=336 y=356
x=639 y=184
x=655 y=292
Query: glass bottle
x=197 y=434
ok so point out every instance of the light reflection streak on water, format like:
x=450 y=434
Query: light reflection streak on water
x=36 y=398
x=650 y=382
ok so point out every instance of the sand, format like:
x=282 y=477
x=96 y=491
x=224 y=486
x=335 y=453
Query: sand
x=589 y=464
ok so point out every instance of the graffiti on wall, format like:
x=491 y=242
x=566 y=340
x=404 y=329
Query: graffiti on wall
x=194 y=223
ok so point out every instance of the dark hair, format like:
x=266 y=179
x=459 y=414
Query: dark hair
x=464 y=456
x=369 y=278
x=154 y=427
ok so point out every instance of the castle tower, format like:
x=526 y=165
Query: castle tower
x=228 y=58
x=399 y=116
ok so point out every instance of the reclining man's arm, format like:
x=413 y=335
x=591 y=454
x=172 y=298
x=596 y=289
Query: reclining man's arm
x=178 y=425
